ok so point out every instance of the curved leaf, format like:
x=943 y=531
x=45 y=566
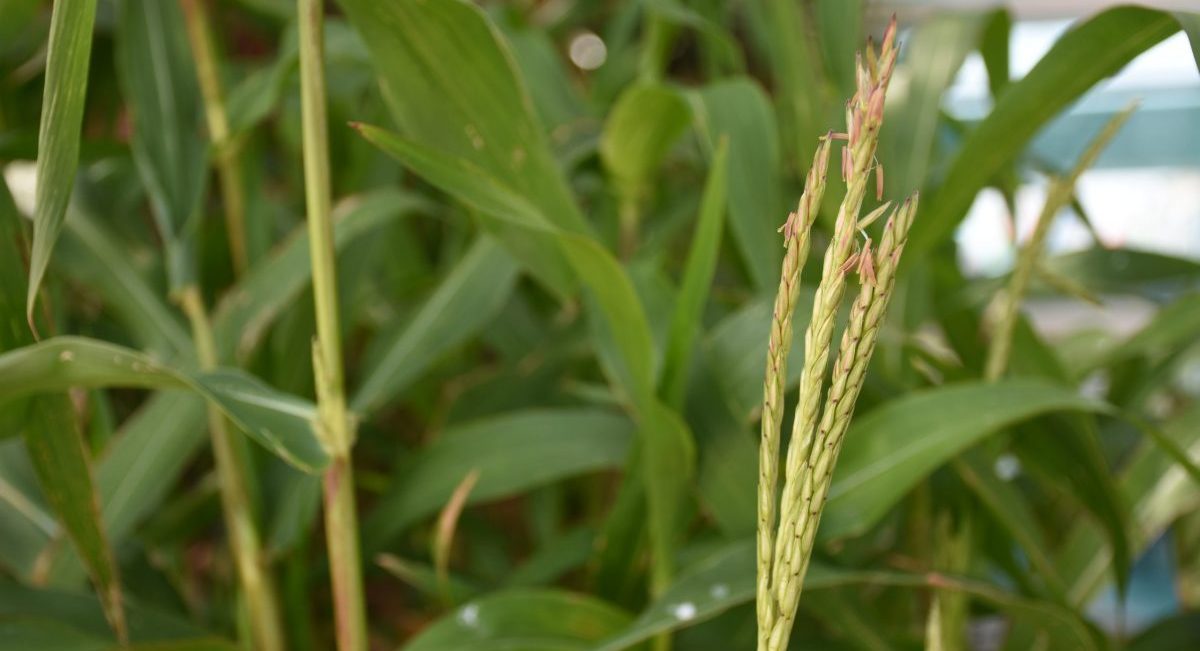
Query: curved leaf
x=525 y=619
x=641 y=127
x=1091 y=51
x=891 y=448
x=726 y=579
x=283 y=424
x=451 y=84
x=512 y=453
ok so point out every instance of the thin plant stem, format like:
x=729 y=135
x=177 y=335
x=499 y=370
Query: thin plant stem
x=225 y=148
x=1059 y=196
x=266 y=626
x=341 y=520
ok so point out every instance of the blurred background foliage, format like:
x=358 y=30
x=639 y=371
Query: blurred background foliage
x=556 y=262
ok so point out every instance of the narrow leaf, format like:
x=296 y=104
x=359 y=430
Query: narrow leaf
x=67 y=57
x=697 y=281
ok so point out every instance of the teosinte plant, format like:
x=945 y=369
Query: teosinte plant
x=817 y=434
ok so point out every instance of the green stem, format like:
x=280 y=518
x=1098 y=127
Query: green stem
x=233 y=197
x=1059 y=196
x=341 y=520
x=266 y=627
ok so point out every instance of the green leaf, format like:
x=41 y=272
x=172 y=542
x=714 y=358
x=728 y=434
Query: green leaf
x=244 y=314
x=91 y=255
x=465 y=302
x=525 y=619
x=1157 y=492
x=796 y=72
x=512 y=452
x=1190 y=22
x=737 y=346
x=64 y=469
x=726 y=579
x=82 y=613
x=622 y=335
x=283 y=424
x=161 y=90
x=451 y=85
x=697 y=281
x=739 y=109
x=1088 y=53
x=935 y=51
x=67 y=57
x=893 y=447
x=840 y=26
x=53 y=437
x=641 y=128
x=1175 y=633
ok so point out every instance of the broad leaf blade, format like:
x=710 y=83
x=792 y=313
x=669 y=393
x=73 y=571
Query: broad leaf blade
x=451 y=85
x=891 y=448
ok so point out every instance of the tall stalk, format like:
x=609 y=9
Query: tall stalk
x=341 y=520
x=1058 y=197
x=233 y=196
x=266 y=628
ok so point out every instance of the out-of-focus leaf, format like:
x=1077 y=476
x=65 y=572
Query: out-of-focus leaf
x=1157 y=491
x=161 y=91
x=641 y=127
x=726 y=579
x=64 y=469
x=464 y=303
x=739 y=109
x=993 y=47
x=621 y=333
x=69 y=52
x=1086 y=54
x=1009 y=508
x=1126 y=270
x=697 y=281
x=737 y=346
x=513 y=453
x=450 y=83
x=554 y=94
x=1190 y=22
x=935 y=51
x=891 y=448
x=246 y=311
x=14 y=330
x=840 y=25
x=53 y=438
x=282 y=423
x=91 y=256
x=1176 y=633
x=148 y=628
x=526 y=619
x=253 y=99
x=1174 y=327
x=796 y=72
